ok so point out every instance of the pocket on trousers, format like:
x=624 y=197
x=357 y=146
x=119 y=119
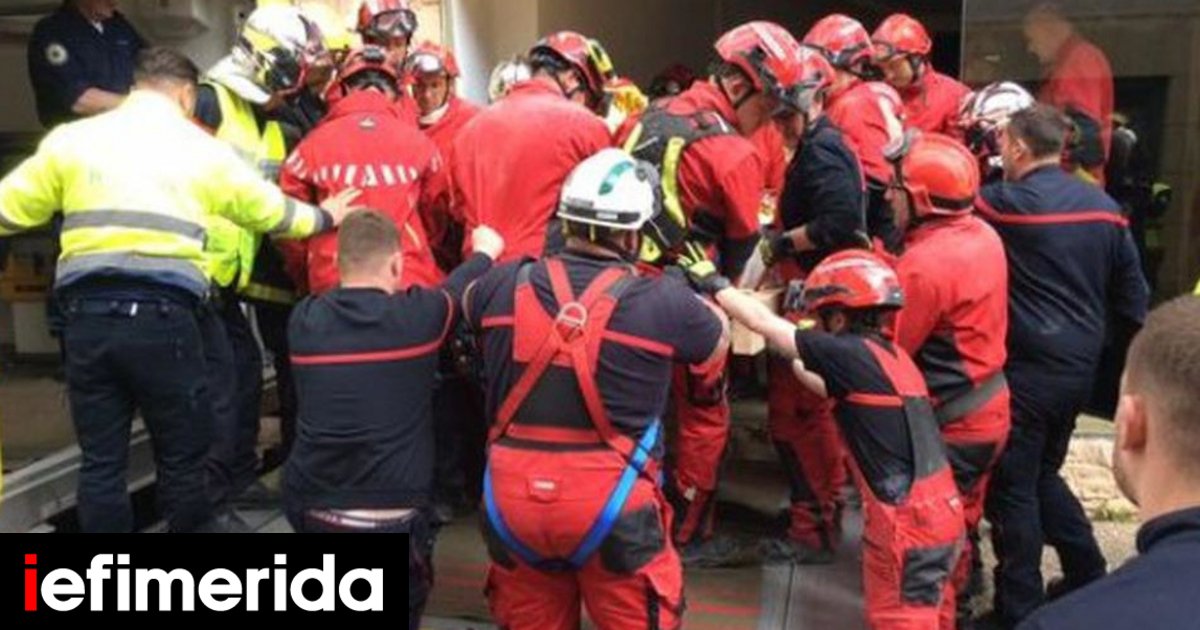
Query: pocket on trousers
x=636 y=538
x=925 y=572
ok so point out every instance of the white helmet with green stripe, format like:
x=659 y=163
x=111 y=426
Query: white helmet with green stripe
x=611 y=190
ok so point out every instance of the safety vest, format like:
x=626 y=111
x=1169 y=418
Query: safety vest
x=572 y=337
x=234 y=250
x=660 y=138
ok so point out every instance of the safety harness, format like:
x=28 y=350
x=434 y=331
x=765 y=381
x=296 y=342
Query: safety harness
x=660 y=138
x=572 y=338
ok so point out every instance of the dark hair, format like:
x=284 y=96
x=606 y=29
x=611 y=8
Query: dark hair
x=1164 y=367
x=164 y=64
x=860 y=321
x=365 y=238
x=1042 y=128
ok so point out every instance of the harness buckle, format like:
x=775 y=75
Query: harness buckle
x=570 y=321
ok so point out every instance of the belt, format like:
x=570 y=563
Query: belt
x=123 y=308
x=963 y=404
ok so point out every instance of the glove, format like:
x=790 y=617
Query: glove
x=701 y=273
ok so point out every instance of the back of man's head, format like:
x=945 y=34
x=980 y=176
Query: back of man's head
x=1042 y=128
x=1163 y=368
x=159 y=65
x=367 y=242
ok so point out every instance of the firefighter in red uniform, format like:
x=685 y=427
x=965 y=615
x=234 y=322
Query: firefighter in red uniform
x=712 y=185
x=931 y=99
x=821 y=212
x=913 y=518
x=954 y=324
x=510 y=161
x=867 y=112
x=1079 y=82
x=432 y=74
x=362 y=144
x=578 y=351
x=390 y=25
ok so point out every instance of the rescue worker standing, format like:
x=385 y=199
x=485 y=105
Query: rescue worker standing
x=866 y=112
x=239 y=101
x=931 y=100
x=954 y=324
x=390 y=25
x=362 y=145
x=1072 y=268
x=510 y=161
x=913 y=519
x=432 y=72
x=81 y=60
x=136 y=186
x=1079 y=82
x=578 y=351
x=1154 y=463
x=365 y=356
x=821 y=212
x=712 y=186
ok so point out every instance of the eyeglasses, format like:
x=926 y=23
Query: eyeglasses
x=401 y=23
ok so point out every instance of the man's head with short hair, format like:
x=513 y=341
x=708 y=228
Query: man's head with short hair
x=1157 y=453
x=167 y=72
x=1046 y=29
x=1033 y=136
x=369 y=251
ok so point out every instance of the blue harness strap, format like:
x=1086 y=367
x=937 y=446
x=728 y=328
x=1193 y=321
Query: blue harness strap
x=599 y=530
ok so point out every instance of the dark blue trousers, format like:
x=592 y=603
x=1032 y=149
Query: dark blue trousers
x=126 y=352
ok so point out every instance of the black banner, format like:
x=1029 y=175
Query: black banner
x=47 y=580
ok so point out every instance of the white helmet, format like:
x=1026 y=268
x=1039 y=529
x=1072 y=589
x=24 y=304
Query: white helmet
x=273 y=53
x=985 y=113
x=610 y=190
x=505 y=75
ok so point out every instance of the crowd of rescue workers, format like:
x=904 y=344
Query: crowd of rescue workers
x=526 y=307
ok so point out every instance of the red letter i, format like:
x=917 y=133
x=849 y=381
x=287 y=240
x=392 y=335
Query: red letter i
x=31 y=596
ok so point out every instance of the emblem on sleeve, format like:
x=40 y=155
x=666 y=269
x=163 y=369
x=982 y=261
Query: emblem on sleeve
x=56 y=54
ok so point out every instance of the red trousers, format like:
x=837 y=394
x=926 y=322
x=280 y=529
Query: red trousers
x=974 y=444
x=806 y=436
x=702 y=415
x=909 y=553
x=549 y=501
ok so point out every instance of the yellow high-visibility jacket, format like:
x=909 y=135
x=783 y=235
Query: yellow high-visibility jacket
x=137 y=186
x=231 y=249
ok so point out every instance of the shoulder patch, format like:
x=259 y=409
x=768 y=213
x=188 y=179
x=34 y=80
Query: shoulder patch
x=57 y=54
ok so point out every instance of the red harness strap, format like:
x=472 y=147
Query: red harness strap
x=573 y=338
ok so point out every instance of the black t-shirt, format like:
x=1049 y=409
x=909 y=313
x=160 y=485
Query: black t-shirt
x=825 y=191
x=880 y=436
x=364 y=363
x=633 y=381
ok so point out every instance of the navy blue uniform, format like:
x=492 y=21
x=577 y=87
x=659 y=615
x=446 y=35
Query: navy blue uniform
x=1155 y=591
x=825 y=191
x=1073 y=268
x=68 y=55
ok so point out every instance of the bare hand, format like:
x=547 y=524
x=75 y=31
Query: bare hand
x=338 y=205
x=485 y=240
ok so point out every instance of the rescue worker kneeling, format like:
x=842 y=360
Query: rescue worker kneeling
x=913 y=518
x=578 y=352
x=365 y=356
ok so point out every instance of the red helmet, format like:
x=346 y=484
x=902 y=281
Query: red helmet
x=843 y=41
x=586 y=56
x=371 y=59
x=901 y=34
x=769 y=55
x=381 y=20
x=816 y=77
x=938 y=173
x=430 y=58
x=853 y=279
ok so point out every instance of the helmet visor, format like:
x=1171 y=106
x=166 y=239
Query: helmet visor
x=402 y=23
